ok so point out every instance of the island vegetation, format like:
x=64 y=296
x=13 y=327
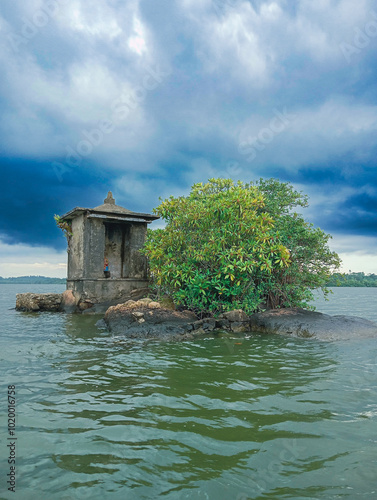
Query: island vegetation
x=352 y=279
x=33 y=280
x=239 y=245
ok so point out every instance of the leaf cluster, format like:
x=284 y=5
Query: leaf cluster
x=64 y=225
x=233 y=245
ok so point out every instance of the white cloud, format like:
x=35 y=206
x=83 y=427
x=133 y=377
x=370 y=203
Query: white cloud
x=90 y=94
x=122 y=25
x=94 y=20
x=232 y=43
x=358 y=253
x=137 y=42
x=81 y=91
x=310 y=135
x=25 y=260
x=252 y=45
x=147 y=191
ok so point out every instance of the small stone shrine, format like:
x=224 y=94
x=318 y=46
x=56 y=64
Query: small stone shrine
x=104 y=261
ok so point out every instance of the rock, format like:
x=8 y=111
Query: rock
x=240 y=326
x=200 y=331
x=27 y=302
x=303 y=323
x=167 y=303
x=154 y=305
x=209 y=324
x=85 y=304
x=101 y=325
x=33 y=302
x=141 y=321
x=138 y=293
x=223 y=324
x=205 y=325
x=145 y=300
x=236 y=321
x=137 y=315
x=89 y=311
x=69 y=302
x=236 y=315
x=197 y=324
x=129 y=303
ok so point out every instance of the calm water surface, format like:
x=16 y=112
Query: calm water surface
x=256 y=418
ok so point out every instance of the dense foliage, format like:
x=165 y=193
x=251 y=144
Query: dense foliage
x=352 y=279
x=233 y=245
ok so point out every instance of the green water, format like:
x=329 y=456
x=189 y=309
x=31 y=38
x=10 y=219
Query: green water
x=244 y=418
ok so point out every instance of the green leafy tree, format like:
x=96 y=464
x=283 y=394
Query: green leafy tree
x=311 y=260
x=233 y=245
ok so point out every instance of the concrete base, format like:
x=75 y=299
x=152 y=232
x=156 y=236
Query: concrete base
x=104 y=290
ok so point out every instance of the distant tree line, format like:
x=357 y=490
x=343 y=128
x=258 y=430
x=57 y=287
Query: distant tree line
x=352 y=279
x=33 y=280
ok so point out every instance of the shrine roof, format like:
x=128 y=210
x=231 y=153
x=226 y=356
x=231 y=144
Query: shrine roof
x=110 y=211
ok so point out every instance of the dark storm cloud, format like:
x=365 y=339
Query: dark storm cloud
x=32 y=194
x=356 y=215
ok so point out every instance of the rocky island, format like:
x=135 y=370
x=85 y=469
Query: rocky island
x=148 y=319
x=230 y=252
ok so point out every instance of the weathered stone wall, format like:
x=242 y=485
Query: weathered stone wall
x=94 y=248
x=115 y=235
x=76 y=249
x=38 y=301
x=105 y=290
x=138 y=261
x=126 y=253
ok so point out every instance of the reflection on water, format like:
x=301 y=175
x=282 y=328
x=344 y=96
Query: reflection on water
x=259 y=418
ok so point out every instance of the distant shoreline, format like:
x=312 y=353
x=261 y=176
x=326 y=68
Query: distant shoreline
x=337 y=280
x=32 y=280
x=347 y=280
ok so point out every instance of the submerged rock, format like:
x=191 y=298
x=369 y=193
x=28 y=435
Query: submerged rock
x=69 y=301
x=143 y=319
x=303 y=323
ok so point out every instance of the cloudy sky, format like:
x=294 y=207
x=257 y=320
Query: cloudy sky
x=147 y=97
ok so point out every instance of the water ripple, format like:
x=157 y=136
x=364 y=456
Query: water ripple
x=252 y=418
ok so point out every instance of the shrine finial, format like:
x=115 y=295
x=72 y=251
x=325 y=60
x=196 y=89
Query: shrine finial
x=109 y=199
